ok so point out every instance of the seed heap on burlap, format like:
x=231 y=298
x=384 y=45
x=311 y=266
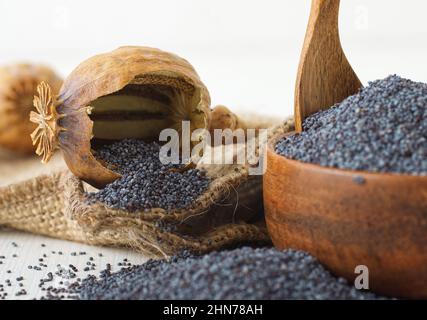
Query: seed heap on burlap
x=383 y=128
x=244 y=273
x=146 y=182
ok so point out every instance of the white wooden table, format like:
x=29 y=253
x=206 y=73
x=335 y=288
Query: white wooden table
x=22 y=250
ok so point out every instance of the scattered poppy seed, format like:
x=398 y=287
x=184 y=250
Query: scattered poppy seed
x=359 y=180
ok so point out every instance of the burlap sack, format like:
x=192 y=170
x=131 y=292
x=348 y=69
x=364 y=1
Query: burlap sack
x=228 y=213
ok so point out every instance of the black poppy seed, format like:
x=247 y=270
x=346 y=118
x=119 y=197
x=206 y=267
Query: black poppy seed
x=22 y=292
x=359 y=180
x=72 y=267
x=146 y=183
x=383 y=128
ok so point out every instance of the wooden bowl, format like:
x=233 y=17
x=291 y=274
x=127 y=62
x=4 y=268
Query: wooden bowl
x=349 y=218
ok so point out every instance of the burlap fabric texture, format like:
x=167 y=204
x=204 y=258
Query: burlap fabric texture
x=229 y=213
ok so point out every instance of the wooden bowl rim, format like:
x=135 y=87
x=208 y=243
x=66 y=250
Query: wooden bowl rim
x=331 y=170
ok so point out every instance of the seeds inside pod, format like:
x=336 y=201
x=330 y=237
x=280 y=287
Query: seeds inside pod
x=18 y=83
x=131 y=92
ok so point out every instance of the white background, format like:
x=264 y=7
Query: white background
x=246 y=51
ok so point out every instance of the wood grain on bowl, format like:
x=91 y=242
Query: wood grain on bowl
x=350 y=218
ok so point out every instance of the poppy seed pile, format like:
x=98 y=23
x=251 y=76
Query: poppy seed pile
x=245 y=273
x=383 y=128
x=146 y=182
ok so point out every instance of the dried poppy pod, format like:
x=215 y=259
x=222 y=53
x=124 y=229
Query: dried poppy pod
x=131 y=92
x=223 y=118
x=18 y=83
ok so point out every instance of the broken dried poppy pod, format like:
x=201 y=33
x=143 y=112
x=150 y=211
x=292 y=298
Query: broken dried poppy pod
x=131 y=92
x=18 y=83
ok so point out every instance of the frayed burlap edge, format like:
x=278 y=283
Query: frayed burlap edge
x=55 y=206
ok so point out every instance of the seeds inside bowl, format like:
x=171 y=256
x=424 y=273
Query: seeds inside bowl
x=383 y=128
x=146 y=182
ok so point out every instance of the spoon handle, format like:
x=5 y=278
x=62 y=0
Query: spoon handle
x=324 y=75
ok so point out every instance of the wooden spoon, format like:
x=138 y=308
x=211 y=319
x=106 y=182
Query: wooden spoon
x=325 y=76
